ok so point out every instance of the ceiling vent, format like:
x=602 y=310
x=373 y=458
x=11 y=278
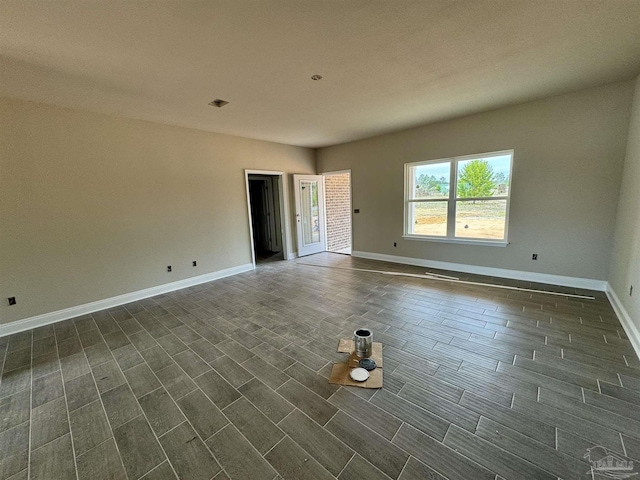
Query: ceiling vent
x=218 y=103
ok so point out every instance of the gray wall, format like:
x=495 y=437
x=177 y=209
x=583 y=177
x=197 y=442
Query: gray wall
x=93 y=206
x=569 y=153
x=625 y=260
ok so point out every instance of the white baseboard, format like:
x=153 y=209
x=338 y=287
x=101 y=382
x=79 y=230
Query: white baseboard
x=292 y=255
x=72 y=312
x=575 y=282
x=629 y=326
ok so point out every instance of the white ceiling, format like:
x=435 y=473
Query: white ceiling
x=387 y=64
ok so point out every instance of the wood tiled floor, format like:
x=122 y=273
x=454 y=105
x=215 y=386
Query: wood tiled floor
x=229 y=380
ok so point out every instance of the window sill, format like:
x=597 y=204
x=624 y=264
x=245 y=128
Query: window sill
x=486 y=243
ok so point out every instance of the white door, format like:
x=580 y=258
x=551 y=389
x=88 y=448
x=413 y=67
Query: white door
x=309 y=190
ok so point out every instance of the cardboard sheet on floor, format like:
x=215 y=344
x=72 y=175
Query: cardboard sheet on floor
x=340 y=371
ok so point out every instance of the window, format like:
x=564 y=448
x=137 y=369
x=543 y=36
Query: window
x=460 y=199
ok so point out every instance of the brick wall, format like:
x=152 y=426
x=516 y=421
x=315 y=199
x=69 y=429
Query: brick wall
x=338 y=201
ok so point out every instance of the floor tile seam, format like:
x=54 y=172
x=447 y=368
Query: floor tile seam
x=626 y=360
x=217 y=431
x=595 y=408
x=66 y=405
x=466 y=350
x=251 y=445
x=95 y=446
x=374 y=406
x=482 y=414
x=555 y=428
x=374 y=394
x=273 y=346
x=316 y=372
x=285 y=436
x=493 y=347
x=277 y=349
x=287 y=415
x=580 y=420
x=331 y=434
x=474 y=462
x=15 y=476
x=383 y=438
x=161 y=386
x=232 y=403
x=453 y=385
x=307 y=388
x=41 y=375
x=254 y=406
x=346 y=464
x=166 y=457
x=621 y=382
x=54 y=349
x=47 y=443
x=301 y=448
x=158 y=437
x=67 y=380
x=402 y=422
x=440 y=417
x=30 y=407
x=467 y=320
x=589 y=330
x=112 y=388
x=17 y=368
x=427 y=360
x=242 y=384
x=404 y=466
x=186 y=418
x=104 y=410
x=540 y=466
x=624 y=447
x=537 y=383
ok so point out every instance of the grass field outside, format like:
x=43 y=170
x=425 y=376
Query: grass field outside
x=480 y=219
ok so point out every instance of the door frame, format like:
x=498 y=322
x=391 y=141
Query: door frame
x=271 y=198
x=283 y=197
x=321 y=207
x=338 y=172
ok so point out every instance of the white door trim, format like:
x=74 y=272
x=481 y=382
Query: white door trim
x=322 y=245
x=284 y=211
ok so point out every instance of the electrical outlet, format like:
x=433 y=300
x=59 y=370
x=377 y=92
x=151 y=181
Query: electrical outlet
x=630 y=290
x=195 y=264
x=168 y=268
x=534 y=256
x=356 y=210
x=12 y=300
x=395 y=244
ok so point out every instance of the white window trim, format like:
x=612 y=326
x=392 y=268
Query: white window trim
x=452 y=201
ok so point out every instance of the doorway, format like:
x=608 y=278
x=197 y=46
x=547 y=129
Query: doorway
x=310 y=217
x=337 y=193
x=265 y=207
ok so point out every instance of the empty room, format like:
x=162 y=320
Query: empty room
x=319 y=239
